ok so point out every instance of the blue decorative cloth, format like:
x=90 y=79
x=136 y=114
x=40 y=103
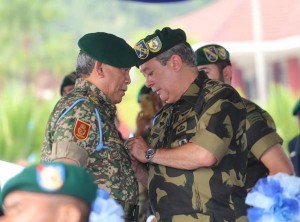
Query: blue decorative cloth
x=104 y=208
x=275 y=199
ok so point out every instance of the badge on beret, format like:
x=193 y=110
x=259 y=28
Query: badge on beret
x=211 y=53
x=50 y=177
x=141 y=49
x=81 y=130
x=154 y=44
x=222 y=53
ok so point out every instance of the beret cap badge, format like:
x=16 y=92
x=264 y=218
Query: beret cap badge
x=211 y=53
x=50 y=178
x=154 y=44
x=141 y=49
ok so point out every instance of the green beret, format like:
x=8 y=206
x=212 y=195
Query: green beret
x=109 y=49
x=53 y=178
x=157 y=43
x=211 y=54
x=296 y=108
x=68 y=80
x=143 y=90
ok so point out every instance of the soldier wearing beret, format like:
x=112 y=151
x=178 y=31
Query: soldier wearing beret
x=49 y=192
x=68 y=83
x=197 y=150
x=294 y=144
x=266 y=156
x=81 y=128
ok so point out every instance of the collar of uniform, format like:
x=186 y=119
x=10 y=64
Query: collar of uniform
x=192 y=93
x=95 y=95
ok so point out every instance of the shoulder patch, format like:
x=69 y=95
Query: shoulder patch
x=81 y=129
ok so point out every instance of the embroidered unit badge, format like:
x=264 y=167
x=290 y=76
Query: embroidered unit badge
x=221 y=53
x=141 y=49
x=211 y=53
x=81 y=130
x=50 y=178
x=154 y=44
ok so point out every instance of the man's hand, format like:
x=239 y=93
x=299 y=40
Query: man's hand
x=137 y=148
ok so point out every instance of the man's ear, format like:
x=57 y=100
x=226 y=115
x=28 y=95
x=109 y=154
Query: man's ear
x=176 y=62
x=227 y=74
x=98 y=68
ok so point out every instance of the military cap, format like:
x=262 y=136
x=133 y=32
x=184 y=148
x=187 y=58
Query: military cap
x=109 y=49
x=68 y=81
x=53 y=178
x=211 y=54
x=158 y=42
x=143 y=90
x=296 y=108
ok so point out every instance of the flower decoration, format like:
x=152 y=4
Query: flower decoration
x=275 y=198
x=105 y=208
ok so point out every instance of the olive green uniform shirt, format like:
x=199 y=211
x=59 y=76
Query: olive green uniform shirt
x=92 y=141
x=261 y=135
x=210 y=114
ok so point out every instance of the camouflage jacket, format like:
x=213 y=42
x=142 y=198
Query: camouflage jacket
x=261 y=135
x=82 y=128
x=212 y=115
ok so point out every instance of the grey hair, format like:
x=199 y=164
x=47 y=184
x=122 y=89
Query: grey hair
x=85 y=65
x=185 y=52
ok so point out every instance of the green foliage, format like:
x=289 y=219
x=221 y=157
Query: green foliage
x=23 y=118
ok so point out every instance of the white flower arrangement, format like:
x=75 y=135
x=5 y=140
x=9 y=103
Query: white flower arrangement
x=275 y=199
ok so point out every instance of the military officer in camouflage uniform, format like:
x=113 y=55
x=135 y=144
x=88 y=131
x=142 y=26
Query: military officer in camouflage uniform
x=197 y=151
x=81 y=129
x=266 y=156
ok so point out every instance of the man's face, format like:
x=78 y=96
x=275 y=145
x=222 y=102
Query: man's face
x=22 y=206
x=160 y=79
x=117 y=81
x=212 y=71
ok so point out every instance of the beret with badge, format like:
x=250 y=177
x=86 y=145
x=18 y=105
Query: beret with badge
x=53 y=178
x=109 y=49
x=211 y=54
x=157 y=43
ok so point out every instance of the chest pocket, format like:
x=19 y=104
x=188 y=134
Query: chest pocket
x=100 y=145
x=184 y=127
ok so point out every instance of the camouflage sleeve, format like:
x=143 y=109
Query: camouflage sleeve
x=218 y=124
x=261 y=132
x=75 y=134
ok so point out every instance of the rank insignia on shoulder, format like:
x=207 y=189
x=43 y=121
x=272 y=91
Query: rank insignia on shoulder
x=141 y=49
x=211 y=53
x=81 y=130
x=154 y=44
x=50 y=177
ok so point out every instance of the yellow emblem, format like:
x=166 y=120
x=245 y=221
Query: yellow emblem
x=154 y=44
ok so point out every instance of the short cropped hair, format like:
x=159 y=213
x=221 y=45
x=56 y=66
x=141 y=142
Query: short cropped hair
x=183 y=50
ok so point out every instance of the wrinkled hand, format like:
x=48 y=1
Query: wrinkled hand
x=137 y=148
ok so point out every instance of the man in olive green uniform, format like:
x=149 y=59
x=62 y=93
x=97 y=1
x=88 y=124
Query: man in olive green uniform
x=197 y=150
x=81 y=129
x=266 y=153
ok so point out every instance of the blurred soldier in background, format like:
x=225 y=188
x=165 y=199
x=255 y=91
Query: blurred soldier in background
x=68 y=83
x=266 y=156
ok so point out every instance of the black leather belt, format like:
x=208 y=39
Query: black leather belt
x=131 y=211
